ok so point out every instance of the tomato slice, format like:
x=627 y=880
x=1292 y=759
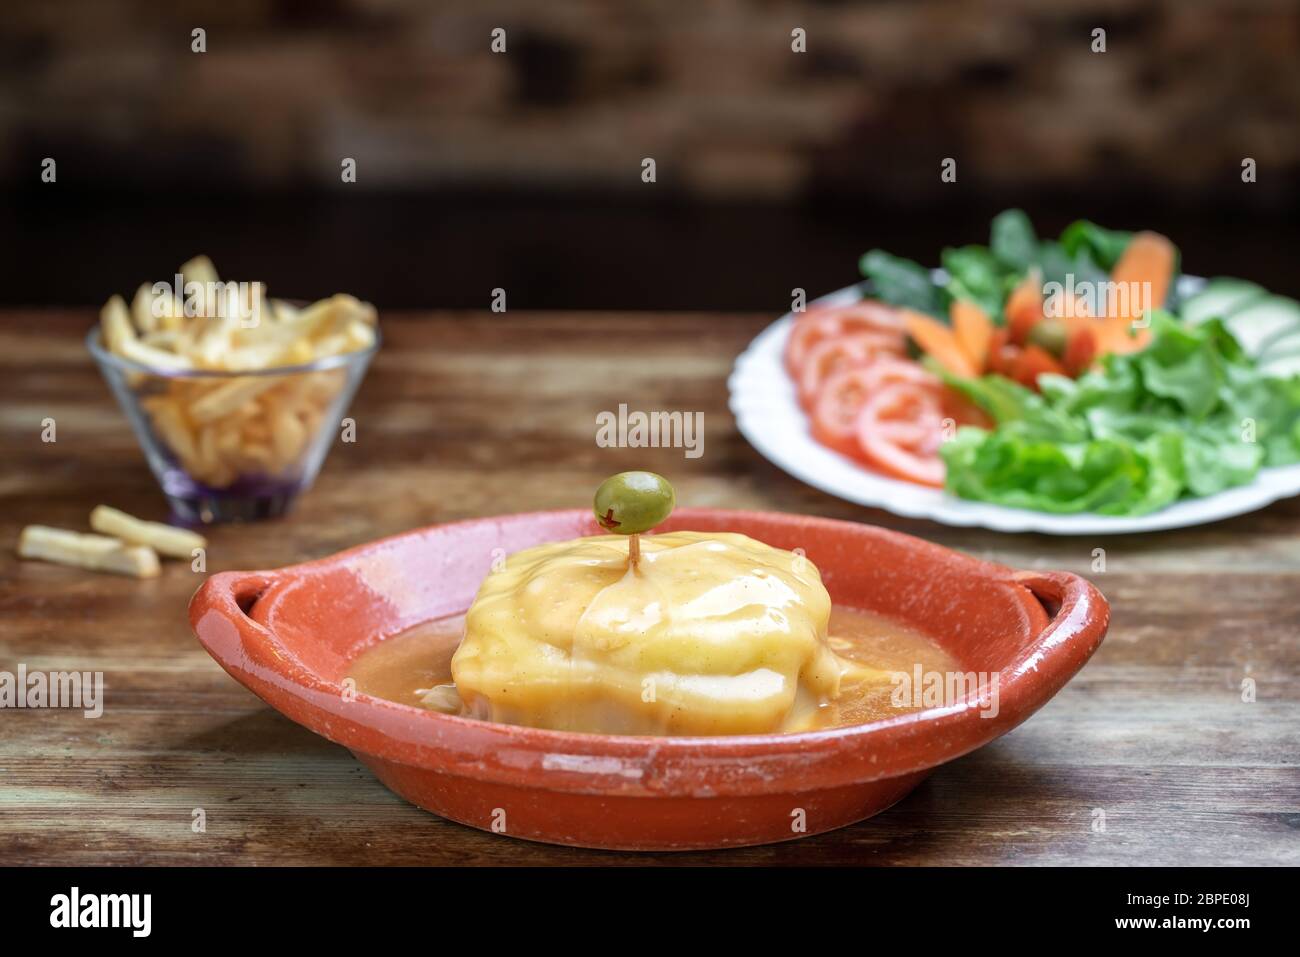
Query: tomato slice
x=845 y=351
x=807 y=332
x=831 y=321
x=871 y=316
x=842 y=395
x=835 y=411
x=899 y=431
x=887 y=370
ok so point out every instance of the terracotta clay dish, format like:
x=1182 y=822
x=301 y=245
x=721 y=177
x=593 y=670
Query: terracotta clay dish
x=293 y=637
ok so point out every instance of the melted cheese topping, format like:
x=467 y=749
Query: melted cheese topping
x=711 y=634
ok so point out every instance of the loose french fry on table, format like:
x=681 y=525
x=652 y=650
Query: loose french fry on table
x=94 y=552
x=164 y=539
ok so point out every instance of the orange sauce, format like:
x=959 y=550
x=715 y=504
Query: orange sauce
x=402 y=668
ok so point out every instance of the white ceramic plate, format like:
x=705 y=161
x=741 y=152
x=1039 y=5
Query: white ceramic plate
x=768 y=415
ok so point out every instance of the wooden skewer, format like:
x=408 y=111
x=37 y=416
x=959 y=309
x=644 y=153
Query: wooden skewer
x=634 y=550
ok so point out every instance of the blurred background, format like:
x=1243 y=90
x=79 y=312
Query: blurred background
x=522 y=169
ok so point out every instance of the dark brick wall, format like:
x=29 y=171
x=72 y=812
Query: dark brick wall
x=838 y=148
x=710 y=89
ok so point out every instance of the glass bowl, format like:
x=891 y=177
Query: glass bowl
x=234 y=446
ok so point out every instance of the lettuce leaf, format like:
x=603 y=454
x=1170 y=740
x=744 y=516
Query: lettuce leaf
x=902 y=282
x=1104 y=246
x=976 y=275
x=1012 y=240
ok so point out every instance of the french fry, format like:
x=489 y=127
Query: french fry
x=208 y=457
x=229 y=397
x=95 y=552
x=200 y=270
x=142 y=310
x=444 y=698
x=284 y=311
x=156 y=313
x=169 y=423
x=331 y=315
x=254 y=457
x=269 y=355
x=155 y=358
x=254 y=433
x=116 y=322
x=230 y=438
x=164 y=539
x=173 y=321
x=211 y=344
x=164 y=339
x=287 y=436
x=361 y=334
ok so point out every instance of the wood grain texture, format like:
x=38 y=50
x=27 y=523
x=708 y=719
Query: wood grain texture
x=466 y=415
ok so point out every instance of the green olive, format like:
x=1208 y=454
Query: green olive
x=633 y=502
x=1050 y=334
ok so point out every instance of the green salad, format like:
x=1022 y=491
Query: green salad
x=1190 y=414
x=1198 y=400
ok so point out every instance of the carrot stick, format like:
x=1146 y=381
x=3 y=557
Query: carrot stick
x=937 y=340
x=1148 y=259
x=974 y=330
x=1142 y=277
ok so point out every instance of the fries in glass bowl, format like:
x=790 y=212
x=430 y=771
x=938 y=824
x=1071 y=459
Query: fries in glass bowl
x=235 y=397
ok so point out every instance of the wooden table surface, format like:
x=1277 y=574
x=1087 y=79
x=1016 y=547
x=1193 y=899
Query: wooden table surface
x=466 y=415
